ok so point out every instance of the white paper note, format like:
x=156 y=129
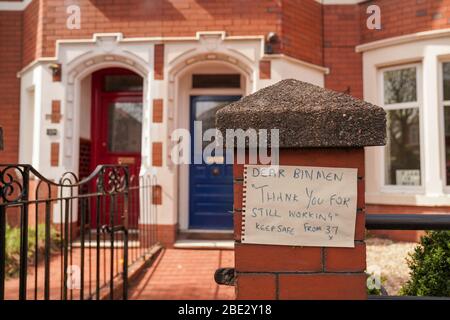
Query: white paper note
x=299 y=206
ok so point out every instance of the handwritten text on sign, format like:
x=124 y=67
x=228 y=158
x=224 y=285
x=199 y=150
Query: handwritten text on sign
x=300 y=206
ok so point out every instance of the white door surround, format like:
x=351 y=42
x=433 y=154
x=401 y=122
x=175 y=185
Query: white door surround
x=206 y=52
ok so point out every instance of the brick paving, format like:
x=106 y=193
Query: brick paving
x=12 y=284
x=176 y=274
x=184 y=274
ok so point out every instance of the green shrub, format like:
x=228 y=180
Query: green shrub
x=12 y=245
x=430 y=266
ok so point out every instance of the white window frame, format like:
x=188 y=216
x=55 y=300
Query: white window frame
x=442 y=104
x=386 y=188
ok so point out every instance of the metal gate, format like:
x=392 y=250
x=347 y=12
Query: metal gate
x=71 y=239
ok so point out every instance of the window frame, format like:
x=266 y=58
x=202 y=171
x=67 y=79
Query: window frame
x=442 y=104
x=388 y=188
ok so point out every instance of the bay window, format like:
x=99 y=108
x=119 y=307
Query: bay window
x=402 y=104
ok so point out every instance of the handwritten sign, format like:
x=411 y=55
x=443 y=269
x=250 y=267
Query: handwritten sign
x=299 y=206
x=408 y=177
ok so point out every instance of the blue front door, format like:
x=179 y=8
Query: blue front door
x=210 y=182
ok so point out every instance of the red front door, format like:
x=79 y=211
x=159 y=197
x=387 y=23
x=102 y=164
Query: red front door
x=116 y=125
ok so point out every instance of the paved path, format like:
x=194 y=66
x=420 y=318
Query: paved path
x=55 y=279
x=184 y=274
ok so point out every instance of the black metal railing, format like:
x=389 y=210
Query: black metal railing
x=73 y=239
x=391 y=221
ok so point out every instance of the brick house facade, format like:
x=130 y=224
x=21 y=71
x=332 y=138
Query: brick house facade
x=168 y=42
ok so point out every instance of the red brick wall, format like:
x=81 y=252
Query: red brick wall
x=345 y=27
x=289 y=272
x=10 y=62
x=157 y=154
x=341 y=35
x=137 y=18
x=265 y=69
x=32 y=28
x=85 y=158
x=297 y=22
x=158 y=110
x=158 y=61
x=302 y=30
x=166 y=234
x=54 y=154
x=402 y=17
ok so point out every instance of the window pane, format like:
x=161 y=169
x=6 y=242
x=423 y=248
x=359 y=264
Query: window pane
x=216 y=81
x=124 y=127
x=446 y=68
x=403 y=147
x=205 y=111
x=400 y=86
x=123 y=82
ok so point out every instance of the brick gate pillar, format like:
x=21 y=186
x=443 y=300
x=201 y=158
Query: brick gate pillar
x=318 y=128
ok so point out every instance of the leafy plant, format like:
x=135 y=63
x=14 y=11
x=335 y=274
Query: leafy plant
x=12 y=245
x=430 y=266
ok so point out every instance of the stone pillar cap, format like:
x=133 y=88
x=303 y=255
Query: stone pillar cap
x=307 y=116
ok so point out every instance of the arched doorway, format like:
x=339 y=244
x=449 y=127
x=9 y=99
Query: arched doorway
x=206 y=188
x=116 y=126
x=116 y=118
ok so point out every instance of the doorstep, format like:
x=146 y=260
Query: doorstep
x=204 y=244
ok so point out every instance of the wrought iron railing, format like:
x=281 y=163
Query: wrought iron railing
x=73 y=239
x=391 y=221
